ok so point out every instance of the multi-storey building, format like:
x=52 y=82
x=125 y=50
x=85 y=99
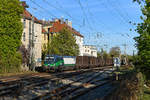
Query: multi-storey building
x=44 y=39
x=90 y=50
x=45 y=33
x=57 y=25
x=32 y=35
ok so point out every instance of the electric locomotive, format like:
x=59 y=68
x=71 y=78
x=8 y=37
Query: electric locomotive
x=55 y=62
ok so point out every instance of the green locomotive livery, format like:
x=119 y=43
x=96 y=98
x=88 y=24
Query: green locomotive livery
x=55 y=62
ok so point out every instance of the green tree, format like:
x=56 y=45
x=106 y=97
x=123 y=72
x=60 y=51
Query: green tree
x=10 y=35
x=143 y=40
x=64 y=44
x=115 y=51
x=103 y=54
x=98 y=54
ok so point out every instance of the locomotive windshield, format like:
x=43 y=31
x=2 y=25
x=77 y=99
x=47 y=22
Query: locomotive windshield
x=49 y=60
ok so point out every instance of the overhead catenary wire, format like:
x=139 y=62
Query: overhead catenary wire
x=61 y=10
x=118 y=13
x=43 y=8
x=103 y=25
x=126 y=21
x=99 y=22
x=35 y=10
x=49 y=13
x=84 y=19
x=84 y=13
x=125 y=12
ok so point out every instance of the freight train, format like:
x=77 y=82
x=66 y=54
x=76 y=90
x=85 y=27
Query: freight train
x=55 y=62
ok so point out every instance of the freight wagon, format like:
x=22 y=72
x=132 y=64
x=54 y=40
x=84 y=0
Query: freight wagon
x=55 y=62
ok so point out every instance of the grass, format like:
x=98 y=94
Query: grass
x=18 y=73
x=124 y=70
x=146 y=95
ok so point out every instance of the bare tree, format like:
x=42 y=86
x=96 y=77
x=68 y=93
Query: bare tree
x=25 y=55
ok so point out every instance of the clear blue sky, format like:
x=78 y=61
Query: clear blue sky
x=104 y=23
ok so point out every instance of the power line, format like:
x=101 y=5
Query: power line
x=84 y=13
x=59 y=9
x=35 y=10
x=42 y=8
x=100 y=22
x=45 y=9
x=122 y=19
x=122 y=14
x=119 y=13
x=124 y=10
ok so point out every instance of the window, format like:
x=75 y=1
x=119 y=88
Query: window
x=29 y=31
x=24 y=36
x=24 y=23
x=29 y=27
x=32 y=27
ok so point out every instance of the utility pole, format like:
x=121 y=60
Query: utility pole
x=33 y=62
x=133 y=53
x=102 y=52
x=125 y=46
x=50 y=36
x=31 y=44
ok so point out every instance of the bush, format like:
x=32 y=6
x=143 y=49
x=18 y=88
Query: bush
x=11 y=64
x=10 y=35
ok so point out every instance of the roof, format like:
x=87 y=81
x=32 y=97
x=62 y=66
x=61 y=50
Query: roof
x=90 y=45
x=58 y=26
x=28 y=15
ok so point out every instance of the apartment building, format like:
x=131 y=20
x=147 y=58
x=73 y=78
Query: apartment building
x=32 y=35
x=55 y=26
x=90 y=50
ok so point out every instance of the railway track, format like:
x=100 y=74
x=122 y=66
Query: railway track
x=75 y=88
x=56 y=86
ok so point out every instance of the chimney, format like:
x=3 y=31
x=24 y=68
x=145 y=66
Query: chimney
x=66 y=21
x=62 y=20
x=55 y=20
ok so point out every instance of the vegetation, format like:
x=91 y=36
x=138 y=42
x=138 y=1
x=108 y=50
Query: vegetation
x=143 y=40
x=63 y=44
x=115 y=51
x=10 y=35
x=103 y=54
x=44 y=51
x=146 y=94
x=25 y=55
x=129 y=87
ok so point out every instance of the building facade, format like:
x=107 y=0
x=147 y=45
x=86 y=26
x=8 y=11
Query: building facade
x=44 y=39
x=55 y=26
x=79 y=42
x=32 y=36
x=89 y=50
